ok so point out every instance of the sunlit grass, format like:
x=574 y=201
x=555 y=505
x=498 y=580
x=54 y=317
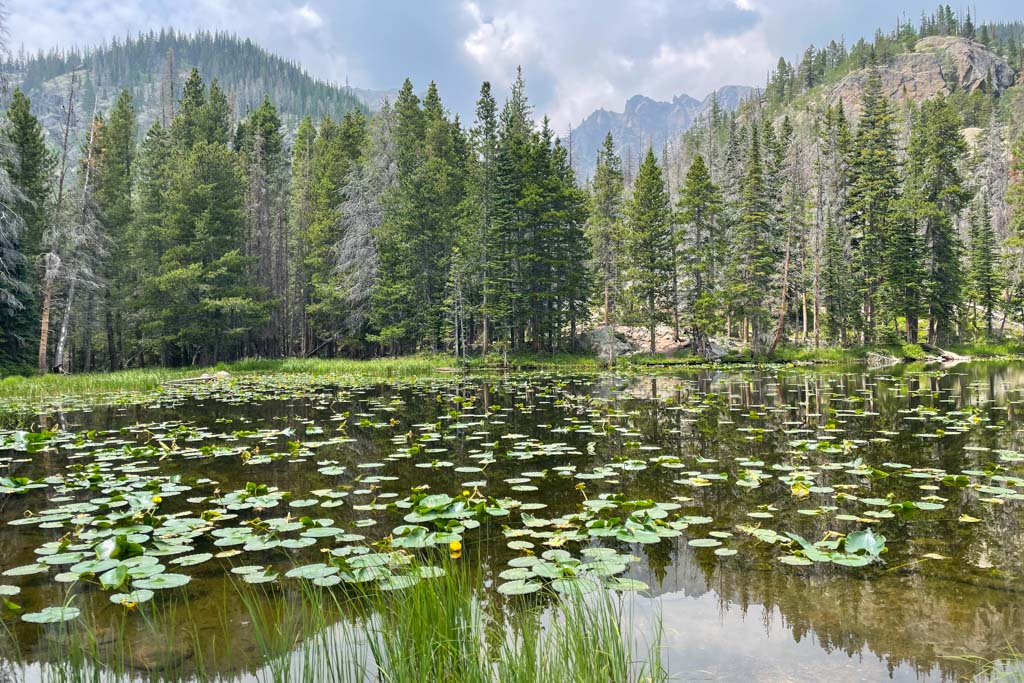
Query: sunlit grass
x=102 y=383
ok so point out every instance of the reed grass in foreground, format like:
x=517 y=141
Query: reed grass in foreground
x=448 y=629
x=1009 y=668
x=439 y=629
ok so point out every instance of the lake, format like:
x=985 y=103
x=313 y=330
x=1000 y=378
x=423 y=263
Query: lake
x=776 y=524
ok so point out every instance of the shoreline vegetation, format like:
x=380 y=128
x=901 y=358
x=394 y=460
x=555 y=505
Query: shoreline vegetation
x=443 y=627
x=20 y=388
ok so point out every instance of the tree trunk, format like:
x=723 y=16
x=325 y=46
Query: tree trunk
x=485 y=334
x=62 y=340
x=90 y=313
x=817 y=309
x=607 y=297
x=44 y=332
x=803 y=303
x=654 y=324
x=111 y=342
x=912 y=324
x=781 y=322
x=50 y=277
x=675 y=304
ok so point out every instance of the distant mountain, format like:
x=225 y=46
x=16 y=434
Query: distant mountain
x=645 y=122
x=374 y=99
x=246 y=71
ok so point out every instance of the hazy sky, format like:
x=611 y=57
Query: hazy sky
x=577 y=55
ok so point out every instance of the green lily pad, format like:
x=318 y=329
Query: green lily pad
x=52 y=615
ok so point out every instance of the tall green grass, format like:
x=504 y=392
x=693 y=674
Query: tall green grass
x=1009 y=668
x=444 y=629
x=449 y=629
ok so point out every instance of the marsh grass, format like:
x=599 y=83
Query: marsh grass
x=442 y=629
x=1009 y=668
x=451 y=629
x=160 y=641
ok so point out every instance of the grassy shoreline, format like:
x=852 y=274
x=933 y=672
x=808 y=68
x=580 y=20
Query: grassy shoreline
x=18 y=387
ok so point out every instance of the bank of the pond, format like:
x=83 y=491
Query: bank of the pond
x=26 y=389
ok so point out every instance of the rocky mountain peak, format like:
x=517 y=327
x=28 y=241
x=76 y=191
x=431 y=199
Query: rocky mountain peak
x=645 y=122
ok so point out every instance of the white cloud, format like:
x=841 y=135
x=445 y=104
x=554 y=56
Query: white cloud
x=500 y=43
x=597 y=55
x=308 y=16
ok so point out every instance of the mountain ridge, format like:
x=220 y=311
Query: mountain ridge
x=645 y=122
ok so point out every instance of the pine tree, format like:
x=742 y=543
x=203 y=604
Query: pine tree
x=362 y=214
x=905 y=276
x=415 y=242
x=336 y=152
x=259 y=142
x=28 y=168
x=477 y=247
x=570 y=248
x=150 y=239
x=507 y=274
x=24 y=212
x=755 y=249
x=1014 y=275
x=114 y=190
x=393 y=301
x=838 y=288
x=300 y=217
x=937 y=192
x=649 y=240
x=703 y=252
x=208 y=304
x=186 y=128
x=870 y=203
x=983 y=277
x=605 y=227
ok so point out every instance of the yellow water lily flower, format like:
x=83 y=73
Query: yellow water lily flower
x=157 y=500
x=456 y=549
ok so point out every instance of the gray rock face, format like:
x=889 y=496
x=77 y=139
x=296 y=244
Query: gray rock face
x=645 y=122
x=938 y=65
x=606 y=342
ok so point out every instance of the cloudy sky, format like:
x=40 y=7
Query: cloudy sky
x=577 y=55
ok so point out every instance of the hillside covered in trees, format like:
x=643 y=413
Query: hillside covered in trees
x=210 y=234
x=153 y=67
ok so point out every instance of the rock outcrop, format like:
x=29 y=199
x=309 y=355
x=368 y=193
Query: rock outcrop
x=607 y=342
x=938 y=65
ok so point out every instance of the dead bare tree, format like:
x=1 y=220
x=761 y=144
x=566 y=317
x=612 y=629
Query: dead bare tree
x=82 y=243
x=51 y=257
